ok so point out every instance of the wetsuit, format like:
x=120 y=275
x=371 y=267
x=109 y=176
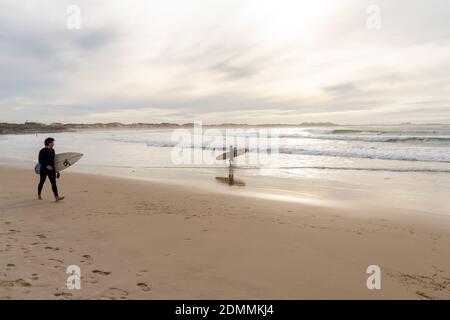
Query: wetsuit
x=47 y=158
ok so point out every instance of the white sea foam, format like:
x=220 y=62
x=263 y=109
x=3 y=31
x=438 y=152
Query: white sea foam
x=424 y=148
x=401 y=149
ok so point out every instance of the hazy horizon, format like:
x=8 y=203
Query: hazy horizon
x=256 y=62
x=240 y=123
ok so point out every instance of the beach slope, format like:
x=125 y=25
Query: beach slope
x=135 y=239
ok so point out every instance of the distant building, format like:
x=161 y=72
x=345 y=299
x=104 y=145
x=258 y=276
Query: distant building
x=57 y=124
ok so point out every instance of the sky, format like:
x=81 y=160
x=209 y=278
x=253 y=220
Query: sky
x=218 y=61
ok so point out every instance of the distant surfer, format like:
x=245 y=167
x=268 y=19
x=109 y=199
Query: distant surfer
x=47 y=162
x=233 y=152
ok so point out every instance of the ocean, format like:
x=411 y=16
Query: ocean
x=412 y=161
x=396 y=148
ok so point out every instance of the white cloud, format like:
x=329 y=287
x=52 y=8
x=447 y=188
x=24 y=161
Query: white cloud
x=244 y=61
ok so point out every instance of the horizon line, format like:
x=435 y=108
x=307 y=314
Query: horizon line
x=216 y=124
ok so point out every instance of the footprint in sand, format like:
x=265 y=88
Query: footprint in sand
x=88 y=258
x=144 y=287
x=423 y=295
x=52 y=248
x=114 y=293
x=141 y=272
x=100 y=272
x=63 y=294
x=14 y=283
x=57 y=260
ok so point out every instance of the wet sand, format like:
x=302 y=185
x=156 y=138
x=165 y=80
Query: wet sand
x=135 y=239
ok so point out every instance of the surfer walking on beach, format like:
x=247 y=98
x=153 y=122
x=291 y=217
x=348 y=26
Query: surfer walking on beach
x=47 y=168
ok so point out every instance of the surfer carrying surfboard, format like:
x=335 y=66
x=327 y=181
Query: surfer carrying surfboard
x=47 y=168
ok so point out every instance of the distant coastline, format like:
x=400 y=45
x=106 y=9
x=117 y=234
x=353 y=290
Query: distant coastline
x=36 y=127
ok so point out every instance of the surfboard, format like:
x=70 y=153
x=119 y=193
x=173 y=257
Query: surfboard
x=65 y=160
x=226 y=155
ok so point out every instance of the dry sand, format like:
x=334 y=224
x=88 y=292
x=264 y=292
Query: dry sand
x=146 y=240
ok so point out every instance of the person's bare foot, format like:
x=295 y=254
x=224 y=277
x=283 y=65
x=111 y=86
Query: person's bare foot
x=59 y=199
x=39 y=197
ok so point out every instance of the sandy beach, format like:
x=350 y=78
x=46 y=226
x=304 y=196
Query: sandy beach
x=136 y=239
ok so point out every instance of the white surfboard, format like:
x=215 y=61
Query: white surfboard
x=226 y=155
x=65 y=160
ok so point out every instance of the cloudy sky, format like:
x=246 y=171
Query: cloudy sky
x=245 y=61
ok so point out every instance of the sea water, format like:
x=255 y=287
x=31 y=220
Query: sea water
x=415 y=156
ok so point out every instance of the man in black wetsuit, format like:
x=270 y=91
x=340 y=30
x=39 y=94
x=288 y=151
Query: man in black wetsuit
x=47 y=161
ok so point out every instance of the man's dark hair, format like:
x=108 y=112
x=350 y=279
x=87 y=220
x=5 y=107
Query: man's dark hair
x=48 y=141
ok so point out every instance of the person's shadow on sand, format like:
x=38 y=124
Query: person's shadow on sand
x=231 y=181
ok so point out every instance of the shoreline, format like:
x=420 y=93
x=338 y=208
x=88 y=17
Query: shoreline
x=136 y=239
x=400 y=195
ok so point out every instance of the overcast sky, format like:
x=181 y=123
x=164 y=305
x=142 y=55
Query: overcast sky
x=245 y=61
